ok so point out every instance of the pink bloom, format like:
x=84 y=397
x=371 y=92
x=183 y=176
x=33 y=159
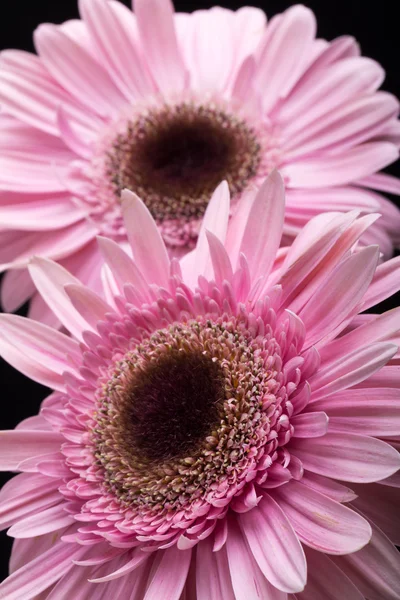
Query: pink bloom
x=208 y=418
x=170 y=105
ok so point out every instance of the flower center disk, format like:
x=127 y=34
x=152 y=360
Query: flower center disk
x=175 y=157
x=191 y=411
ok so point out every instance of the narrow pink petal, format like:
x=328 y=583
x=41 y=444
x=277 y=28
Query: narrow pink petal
x=50 y=279
x=20 y=359
x=40 y=573
x=212 y=49
x=326 y=581
x=350 y=369
x=283 y=58
x=275 y=545
x=90 y=306
x=128 y=563
x=122 y=266
x=212 y=573
x=333 y=85
x=155 y=20
x=384 y=284
x=29 y=93
x=170 y=576
x=313 y=424
x=42 y=214
x=345 y=198
x=328 y=487
x=16 y=446
x=76 y=70
x=383 y=182
x=143 y=235
x=379 y=328
x=40 y=523
x=347 y=457
x=353 y=123
x=374 y=569
x=116 y=45
x=380 y=503
x=16 y=288
x=220 y=259
x=368 y=411
x=349 y=165
x=247 y=579
x=26 y=494
x=55 y=245
x=215 y=220
x=309 y=249
x=336 y=297
x=40 y=342
x=70 y=136
x=263 y=231
x=322 y=523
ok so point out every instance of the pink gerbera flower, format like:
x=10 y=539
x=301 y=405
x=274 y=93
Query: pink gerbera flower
x=170 y=105
x=208 y=416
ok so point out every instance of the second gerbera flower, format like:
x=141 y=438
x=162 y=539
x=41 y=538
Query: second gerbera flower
x=201 y=420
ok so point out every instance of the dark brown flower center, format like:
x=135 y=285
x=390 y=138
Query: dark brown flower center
x=172 y=404
x=175 y=157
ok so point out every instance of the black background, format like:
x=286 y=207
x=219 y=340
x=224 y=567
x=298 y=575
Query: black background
x=374 y=24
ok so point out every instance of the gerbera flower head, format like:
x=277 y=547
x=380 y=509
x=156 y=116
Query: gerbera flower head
x=217 y=424
x=168 y=105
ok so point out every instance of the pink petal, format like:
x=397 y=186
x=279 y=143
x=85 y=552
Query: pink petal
x=212 y=49
x=28 y=92
x=347 y=457
x=16 y=446
x=349 y=165
x=336 y=297
x=41 y=214
x=113 y=37
x=50 y=279
x=380 y=503
x=326 y=581
x=320 y=522
x=123 y=269
x=374 y=569
x=350 y=369
x=333 y=85
x=155 y=20
x=40 y=523
x=56 y=244
x=263 y=231
x=40 y=342
x=313 y=424
x=212 y=573
x=130 y=562
x=77 y=71
x=328 y=487
x=16 y=288
x=374 y=411
x=379 y=328
x=143 y=235
x=40 y=573
x=275 y=545
x=349 y=124
x=384 y=284
x=215 y=220
x=26 y=494
x=283 y=58
x=90 y=306
x=170 y=575
x=247 y=579
x=220 y=259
